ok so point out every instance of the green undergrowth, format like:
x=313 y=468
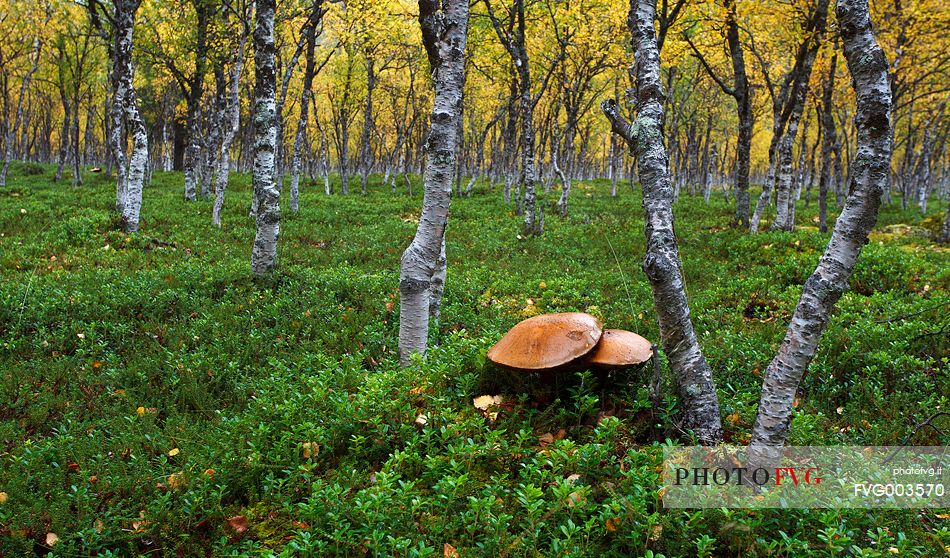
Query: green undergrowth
x=156 y=400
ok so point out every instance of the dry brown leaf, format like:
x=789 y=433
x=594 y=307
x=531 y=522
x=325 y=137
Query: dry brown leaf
x=448 y=551
x=612 y=524
x=575 y=498
x=51 y=539
x=310 y=449
x=734 y=418
x=4 y=497
x=140 y=523
x=546 y=438
x=238 y=523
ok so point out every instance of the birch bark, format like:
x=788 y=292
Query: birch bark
x=310 y=70
x=869 y=174
x=18 y=116
x=662 y=262
x=129 y=190
x=444 y=28
x=828 y=140
x=231 y=125
x=264 y=253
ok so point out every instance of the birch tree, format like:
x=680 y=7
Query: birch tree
x=444 y=26
x=232 y=113
x=124 y=100
x=13 y=127
x=741 y=91
x=828 y=140
x=870 y=171
x=264 y=253
x=788 y=98
x=173 y=51
x=513 y=39
x=662 y=266
x=309 y=32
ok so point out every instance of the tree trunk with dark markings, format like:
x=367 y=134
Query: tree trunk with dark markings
x=869 y=174
x=662 y=263
x=264 y=254
x=422 y=270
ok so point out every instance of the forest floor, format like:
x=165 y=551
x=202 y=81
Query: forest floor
x=156 y=400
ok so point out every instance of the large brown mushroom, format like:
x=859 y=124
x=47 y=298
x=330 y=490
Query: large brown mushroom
x=620 y=349
x=547 y=343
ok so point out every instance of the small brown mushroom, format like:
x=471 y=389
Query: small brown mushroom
x=619 y=349
x=547 y=342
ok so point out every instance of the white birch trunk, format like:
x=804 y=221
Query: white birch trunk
x=264 y=253
x=192 y=155
x=869 y=174
x=301 y=132
x=166 y=149
x=135 y=180
x=18 y=116
x=662 y=262
x=125 y=102
x=232 y=115
x=444 y=28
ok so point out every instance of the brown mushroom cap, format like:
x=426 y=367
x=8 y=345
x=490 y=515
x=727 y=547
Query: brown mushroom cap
x=547 y=342
x=619 y=348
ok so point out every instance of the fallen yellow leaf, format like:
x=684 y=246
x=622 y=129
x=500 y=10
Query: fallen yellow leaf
x=173 y=452
x=4 y=497
x=51 y=539
x=177 y=480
